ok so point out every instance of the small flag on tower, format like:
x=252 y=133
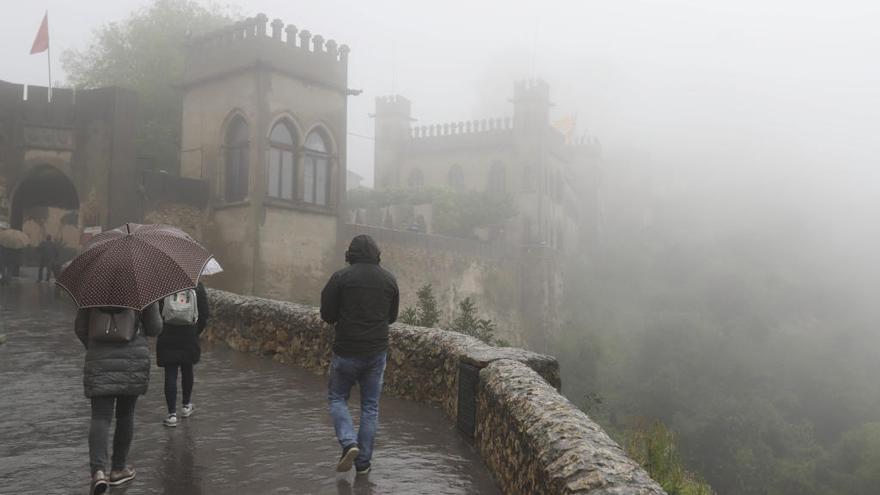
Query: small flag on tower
x=566 y=125
x=41 y=42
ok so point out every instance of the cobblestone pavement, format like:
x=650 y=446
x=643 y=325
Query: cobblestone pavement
x=259 y=427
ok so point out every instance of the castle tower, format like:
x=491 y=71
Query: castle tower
x=531 y=106
x=264 y=123
x=393 y=117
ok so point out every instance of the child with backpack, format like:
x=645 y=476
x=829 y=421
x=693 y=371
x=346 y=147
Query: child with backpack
x=116 y=372
x=184 y=317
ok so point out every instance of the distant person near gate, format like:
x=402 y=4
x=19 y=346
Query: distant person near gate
x=362 y=301
x=48 y=252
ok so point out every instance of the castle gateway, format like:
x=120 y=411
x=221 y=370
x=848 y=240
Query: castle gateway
x=66 y=165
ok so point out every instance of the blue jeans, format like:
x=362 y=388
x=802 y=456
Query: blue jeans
x=367 y=372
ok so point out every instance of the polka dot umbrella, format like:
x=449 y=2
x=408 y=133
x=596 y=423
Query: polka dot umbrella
x=133 y=266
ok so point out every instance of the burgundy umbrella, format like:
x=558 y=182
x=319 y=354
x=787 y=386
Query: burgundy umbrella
x=133 y=266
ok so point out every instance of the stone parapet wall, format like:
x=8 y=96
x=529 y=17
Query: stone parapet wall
x=533 y=440
x=422 y=362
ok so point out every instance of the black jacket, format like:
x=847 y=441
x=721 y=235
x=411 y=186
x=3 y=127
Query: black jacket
x=362 y=300
x=113 y=368
x=179 y=344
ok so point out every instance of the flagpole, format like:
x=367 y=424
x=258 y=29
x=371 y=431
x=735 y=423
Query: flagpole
x=49 y=57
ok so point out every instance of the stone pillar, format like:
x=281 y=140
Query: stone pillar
x=318 y=43
x=304 y=37
x=290 y=30
x=277 y=25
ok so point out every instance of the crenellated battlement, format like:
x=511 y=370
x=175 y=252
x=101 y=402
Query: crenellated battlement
x=289 y=36
x=256 y=41
x=35 y=94
x=462 y=128
x=31 y=103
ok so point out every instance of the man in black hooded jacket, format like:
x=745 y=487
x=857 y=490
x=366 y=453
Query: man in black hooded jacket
x=361 y=300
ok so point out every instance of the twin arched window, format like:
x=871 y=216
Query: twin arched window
x=280 y=169
x=283 y=172
x=236 y=162
x=316 y=169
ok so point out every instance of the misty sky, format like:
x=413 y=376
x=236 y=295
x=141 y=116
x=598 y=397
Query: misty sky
x=784 y=91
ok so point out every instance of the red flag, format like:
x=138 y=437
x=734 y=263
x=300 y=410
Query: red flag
x=41 y=42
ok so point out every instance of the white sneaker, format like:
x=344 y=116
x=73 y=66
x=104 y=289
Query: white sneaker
x=187 y=410
x=171 y=420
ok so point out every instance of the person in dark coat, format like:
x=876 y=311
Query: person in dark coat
x=361 y=300
x=48 y=252
x=114 y=375
x=5 y=265
x=178 y=348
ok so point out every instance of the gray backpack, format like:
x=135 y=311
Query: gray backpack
x=181 y=308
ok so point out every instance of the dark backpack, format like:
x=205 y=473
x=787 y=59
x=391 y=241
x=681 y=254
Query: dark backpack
x=113 y=324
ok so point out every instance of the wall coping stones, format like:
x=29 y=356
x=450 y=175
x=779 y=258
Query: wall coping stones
x=524 y=422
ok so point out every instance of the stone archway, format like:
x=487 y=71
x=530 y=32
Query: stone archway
x=44 y=202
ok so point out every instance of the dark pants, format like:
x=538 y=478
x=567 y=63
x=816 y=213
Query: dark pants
x=44 y=265
x=186 y=379
x=102 y=414
x=367 y=372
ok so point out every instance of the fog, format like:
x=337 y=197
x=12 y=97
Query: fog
x=755 y=120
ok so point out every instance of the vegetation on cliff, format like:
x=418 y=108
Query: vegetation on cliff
x=745 y=329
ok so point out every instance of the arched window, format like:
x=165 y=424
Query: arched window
x=236 y=172
x=456 y=178
x=530 y=179
x=316 y=169
x=280 y=168
x=416 y=179
x=497 y=179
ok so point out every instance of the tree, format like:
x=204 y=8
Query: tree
x=426 y=312
x=468 y=322
x=145 y=53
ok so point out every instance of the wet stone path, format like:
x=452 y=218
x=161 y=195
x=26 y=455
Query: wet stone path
x=259 y=427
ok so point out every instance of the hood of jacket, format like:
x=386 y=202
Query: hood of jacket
x=363 y=249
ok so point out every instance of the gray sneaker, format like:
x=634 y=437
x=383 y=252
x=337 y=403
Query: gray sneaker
x=122 y=476
x=99 y=483
x=171 y=420
x=187 y=410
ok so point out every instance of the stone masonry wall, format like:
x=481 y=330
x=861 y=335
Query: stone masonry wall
x=422 y=362
x=534 y=440
x=531 y=438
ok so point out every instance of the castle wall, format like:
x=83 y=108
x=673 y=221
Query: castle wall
x=207 y=109
x=493 y=275
x=74 y=153
x=297 y=253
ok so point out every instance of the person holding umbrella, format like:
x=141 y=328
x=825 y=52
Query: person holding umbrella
x=117 y=300
x=185 y=315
